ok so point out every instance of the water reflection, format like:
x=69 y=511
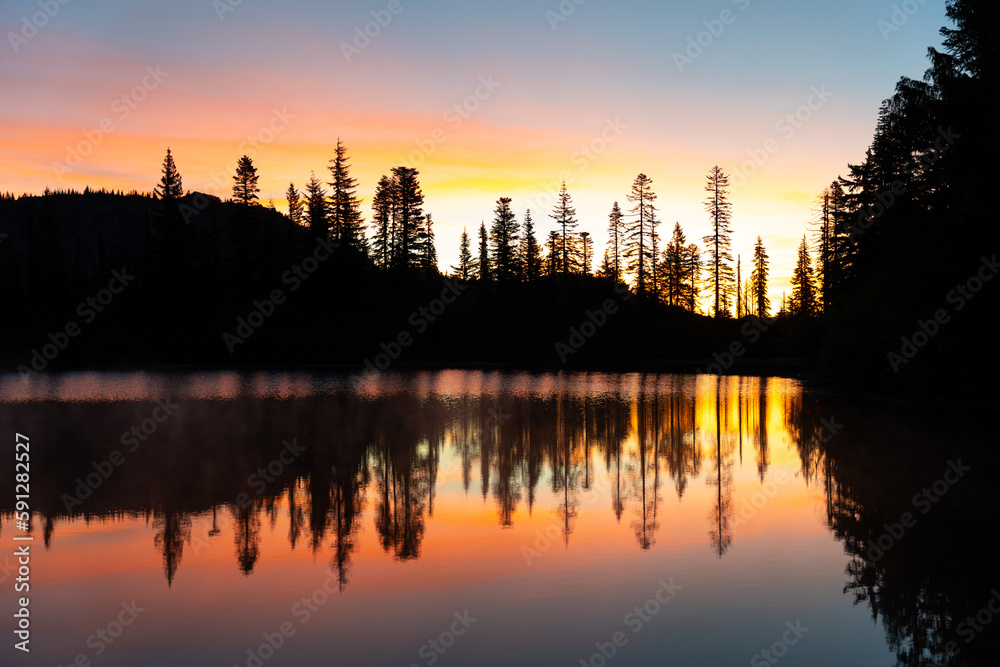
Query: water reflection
x=927 y=581
x=378 y=448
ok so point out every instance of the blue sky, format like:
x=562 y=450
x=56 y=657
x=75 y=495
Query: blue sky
x=558 y=89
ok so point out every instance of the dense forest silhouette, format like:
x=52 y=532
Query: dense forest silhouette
x=206 y=281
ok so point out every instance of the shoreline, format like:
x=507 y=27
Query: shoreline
x=865 y=389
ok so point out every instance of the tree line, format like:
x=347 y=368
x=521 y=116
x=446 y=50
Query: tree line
x=400 y=236
x=888 y=239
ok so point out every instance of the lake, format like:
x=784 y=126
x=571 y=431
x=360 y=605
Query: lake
x=494 y=518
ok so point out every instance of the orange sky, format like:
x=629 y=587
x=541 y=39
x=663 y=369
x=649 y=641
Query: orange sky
x=529 y=98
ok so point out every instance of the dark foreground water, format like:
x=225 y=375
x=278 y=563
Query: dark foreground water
x=485 y=518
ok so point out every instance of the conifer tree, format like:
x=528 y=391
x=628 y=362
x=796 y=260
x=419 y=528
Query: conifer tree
x=409 y=217
x=552 y=258
x=673 y=270
x=758 y=279
x=503 y=235
x=616 y=234
x=294 y=204
x=565 y=216
x=428 y=251
x=689 y=289
x=382 y=223
x=739 y=286
x=465 y=269
x=316 y=214
x=605 y=270
x=169 y=187
x=638 y=246
x=245 y=181
x=484 y=254
x=803 y=287
x=587 y=252
x=346 y=223
x=719 y=241
x=530 y=251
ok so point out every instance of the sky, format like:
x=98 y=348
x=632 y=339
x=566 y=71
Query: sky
x=485 y=99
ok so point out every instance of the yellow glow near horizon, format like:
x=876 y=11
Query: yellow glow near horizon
x=462 y=176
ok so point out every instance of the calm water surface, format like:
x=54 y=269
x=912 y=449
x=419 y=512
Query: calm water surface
x=486 y=518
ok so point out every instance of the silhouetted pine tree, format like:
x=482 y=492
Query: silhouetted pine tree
x=409 y=217
x=316 y=213
x=484 y=271
x=690 y=287
x=718 y=243
x=739 y=287
x=382 y=222
x=803 y=287
x=758 y=279
x=552 y=258
x=586 y=252
x=530 y=252
x=428 y=251
x=654 y=275
x=245 y=181
x=605 y=269
x=465 y=269
x=294 y=204
x=616 y=234
x=169 y=187
x=503 y=237
x=346 y=223
x=672 y=267
x=638 y=246
x=565 y=216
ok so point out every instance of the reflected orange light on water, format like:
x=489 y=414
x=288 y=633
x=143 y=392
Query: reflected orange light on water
x=681 y=446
